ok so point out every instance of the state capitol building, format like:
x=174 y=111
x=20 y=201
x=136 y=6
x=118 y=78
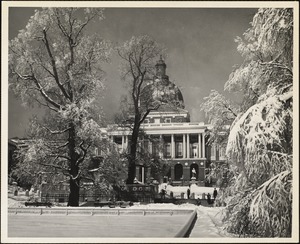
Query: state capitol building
x=172 y=137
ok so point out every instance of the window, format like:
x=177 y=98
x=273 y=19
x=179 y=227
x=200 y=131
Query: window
x=167 y=150
x=213 y=150
x=222 y=152
x=146 y=121
x=179 y=149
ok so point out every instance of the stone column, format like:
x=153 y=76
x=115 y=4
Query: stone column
x=123 y=143
x=172 y=146
x=203 y=145
x=188 y=145
x=143 y=174
x=161 y=146
x=199 y=146
x=126 y=143
x=184 y=146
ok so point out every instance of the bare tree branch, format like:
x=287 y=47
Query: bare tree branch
x=40 y=88
x=46 y=42
x=56 y=131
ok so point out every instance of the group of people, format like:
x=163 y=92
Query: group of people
x=208 y=196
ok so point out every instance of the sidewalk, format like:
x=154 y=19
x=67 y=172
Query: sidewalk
x=205 y=227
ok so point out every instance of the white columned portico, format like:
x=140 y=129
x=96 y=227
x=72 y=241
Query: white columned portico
x=188 y=145
x=184 y=146
x=203 y=145
x=199 y=145
x=172 y=146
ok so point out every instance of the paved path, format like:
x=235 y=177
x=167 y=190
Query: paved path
x=205 y=227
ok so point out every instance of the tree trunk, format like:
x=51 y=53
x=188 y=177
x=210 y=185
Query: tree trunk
x=131 y=172
x=132 y=157
x=74 y=169
x=74 y=193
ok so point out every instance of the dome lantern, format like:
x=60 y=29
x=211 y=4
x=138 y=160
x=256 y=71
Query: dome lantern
x=160 y=67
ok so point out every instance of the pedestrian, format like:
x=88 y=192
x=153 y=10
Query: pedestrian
x=215 y=193
x=162 y=193
x=198 y=201
x=208 y=198
x=188 y=193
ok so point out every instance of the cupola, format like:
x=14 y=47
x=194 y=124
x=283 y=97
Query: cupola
x=160 y=67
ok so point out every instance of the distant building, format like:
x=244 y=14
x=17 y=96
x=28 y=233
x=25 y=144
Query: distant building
x=172 y=137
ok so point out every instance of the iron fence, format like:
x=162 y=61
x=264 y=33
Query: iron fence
x=134 y=192
x=61 y=198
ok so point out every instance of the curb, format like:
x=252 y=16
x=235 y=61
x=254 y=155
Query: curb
x=186 y=229
x=96 y=211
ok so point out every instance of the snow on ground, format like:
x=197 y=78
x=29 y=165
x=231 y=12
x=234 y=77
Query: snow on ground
x=208 y=224
x=163 y=206
x=215 y=213
x=177 y=190
x=209 y=219
x=12 y=203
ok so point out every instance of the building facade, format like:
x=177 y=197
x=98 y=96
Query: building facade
x=171 y=137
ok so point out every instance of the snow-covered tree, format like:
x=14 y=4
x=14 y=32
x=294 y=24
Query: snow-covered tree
x=259 y=147
x=138 y=56
x=54 y=64
x=221 y=112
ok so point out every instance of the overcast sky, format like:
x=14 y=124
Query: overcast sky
x=200 y=47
